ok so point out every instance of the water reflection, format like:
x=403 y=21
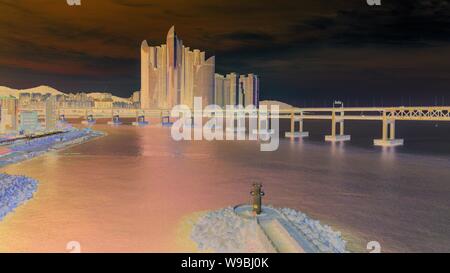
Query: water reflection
x=337 y=148
x=388 y=154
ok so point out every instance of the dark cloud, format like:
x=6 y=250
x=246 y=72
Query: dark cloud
x=135 y=3
x=394 y=23
x=248 y=36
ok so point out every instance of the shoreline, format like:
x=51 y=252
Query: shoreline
x=16 y=190
x=18 y=156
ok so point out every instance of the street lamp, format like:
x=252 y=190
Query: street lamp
x=338 y=102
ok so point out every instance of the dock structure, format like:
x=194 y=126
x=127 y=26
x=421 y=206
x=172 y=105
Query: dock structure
x=389 y=116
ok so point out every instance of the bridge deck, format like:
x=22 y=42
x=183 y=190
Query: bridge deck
x=418 y=113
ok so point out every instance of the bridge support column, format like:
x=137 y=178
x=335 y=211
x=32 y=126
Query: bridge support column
x=292 y=133
x=341 y=136
x=140 y=119
x=115 y=120
x=165 y=121
x=89 y=119
x=388 y=134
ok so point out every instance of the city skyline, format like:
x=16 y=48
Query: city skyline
x=303 y=50
x=173 y=74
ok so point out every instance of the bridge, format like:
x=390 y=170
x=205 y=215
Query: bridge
x=387 y=115
x=336 y=115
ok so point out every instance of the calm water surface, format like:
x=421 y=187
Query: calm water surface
x=129 y=190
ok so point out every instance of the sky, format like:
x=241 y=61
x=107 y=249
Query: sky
x=306 y=52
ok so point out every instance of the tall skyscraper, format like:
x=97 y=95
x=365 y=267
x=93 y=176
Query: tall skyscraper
x=173 y=74
x=249 y=93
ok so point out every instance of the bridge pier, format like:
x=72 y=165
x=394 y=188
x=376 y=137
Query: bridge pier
x=140 y=120
x=115 y=120
x=300 y=133
x=334 y=122
x=89 y=119
x=165 y=121
x=388 y=134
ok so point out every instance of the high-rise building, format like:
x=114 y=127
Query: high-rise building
x=51 y=113
x=24 y=99
x=173 y=74
x=249 y=90
x=8 y=112
x=219 y=89
x=233 y=89
x=29 y=122
x=136 y=97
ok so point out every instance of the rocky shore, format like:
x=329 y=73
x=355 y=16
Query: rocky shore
x=24 y=149
x=15 y=190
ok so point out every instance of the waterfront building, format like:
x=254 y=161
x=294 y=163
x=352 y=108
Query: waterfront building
x=60 y=97
x=31 y=101
x=249 y=90
x=36 y=97
x=174 y=74
x=24 y=99
x=219 y=89
x=45 y=96
x=236 y=90
x=51 y=113
x=81 y=97
x=231 y=87
x=103 y=103
x=29 y=122
x=8 y=114
x=123 y=105
x=79 y=100
x=136 y=97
